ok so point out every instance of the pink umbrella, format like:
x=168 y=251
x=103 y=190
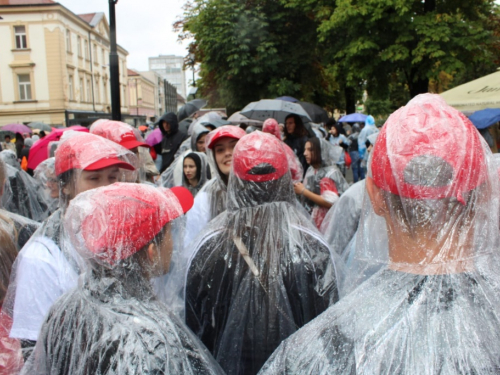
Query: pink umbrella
x=39 y=151
x=16 y=128
x=154 y=137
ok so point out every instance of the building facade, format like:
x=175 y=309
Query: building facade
x=159 y=83
x=54 y=65
x=171 y=68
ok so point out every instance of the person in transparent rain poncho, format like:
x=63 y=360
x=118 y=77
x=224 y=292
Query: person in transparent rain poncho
x=21 y=193
x=368 y=129
x=129 y=138
x=260 y=270
x=433 y=308
x=323 y=182
x=195 y=172
x=174 y=174
x=46 y=268
x=271 y=126
x=111 y=323
x=45 y=175
x=211 y=200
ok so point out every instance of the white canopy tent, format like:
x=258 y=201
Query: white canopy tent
x=475 y=95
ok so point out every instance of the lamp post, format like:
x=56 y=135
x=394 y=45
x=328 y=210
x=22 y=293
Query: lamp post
x=114 y=69
x=192 y=61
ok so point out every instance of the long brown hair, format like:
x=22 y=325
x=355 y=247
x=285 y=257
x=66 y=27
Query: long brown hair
x=8 y=253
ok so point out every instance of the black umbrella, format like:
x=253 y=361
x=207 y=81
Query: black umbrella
x=190 y=107
x=184 y=124
x=315 y=112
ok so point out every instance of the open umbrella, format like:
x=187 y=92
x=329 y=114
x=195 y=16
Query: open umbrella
x=16 y=128
x=40 y=126
x=215 y=123
x=184 y=124
x=315 y=112
x=237 y=118
x=154 y=137
x=143 y=128
x=353 y=117
x=290 y=99
x=40 y=150
x=190 y=107
x=485 y=118
x=274 y=108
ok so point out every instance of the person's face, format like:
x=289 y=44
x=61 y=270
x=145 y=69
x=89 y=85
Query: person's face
x=87 y=180
x=333 y=131
x=308 y=152
x=190 y=169
x=166 y=126
x=223 y=151
x=161 y=260
x=290 y=125
x=200 y=143
x=7 y=139
x=53 y=186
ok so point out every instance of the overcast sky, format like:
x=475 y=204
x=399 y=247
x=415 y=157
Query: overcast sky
x=144 y=27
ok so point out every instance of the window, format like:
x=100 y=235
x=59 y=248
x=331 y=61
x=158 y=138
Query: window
x=86 y=46
x=79 y=45
x=82 y=92
x=20 y=34
x=70 y=87
x=96 y=58
x=89 y=92
x=97 y=93
x=103 y=57
x=105 y=85
x=68 y=40
x=24 y=86
x=124 y=96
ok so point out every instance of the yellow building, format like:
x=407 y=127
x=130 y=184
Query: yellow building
x=142 y=95
x=54 y=64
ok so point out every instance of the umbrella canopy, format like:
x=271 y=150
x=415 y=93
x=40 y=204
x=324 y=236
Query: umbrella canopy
x=154 y=137
x=40 y=150
x=237 y=118
x=315 y=112
x=143 y=128
x=485 y=118
x=273 y=108
x=40 y=126
x=17 y=128
x=216 y=123
x=353 y=117
x=290 y=99
x=190 y=107
x=184 y=124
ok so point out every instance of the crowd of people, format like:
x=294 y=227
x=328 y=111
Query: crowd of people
x=224 y=250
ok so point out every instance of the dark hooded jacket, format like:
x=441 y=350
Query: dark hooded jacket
x=260 y=271
x=171 y=141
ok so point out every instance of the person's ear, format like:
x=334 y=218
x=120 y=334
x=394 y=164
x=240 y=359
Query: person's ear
x=151 y=252
x=376 y=197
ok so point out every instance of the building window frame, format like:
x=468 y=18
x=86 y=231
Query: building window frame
x=24 y=89
x=68 y=41
x=97 y=90
x=86 y=46
x=82 y=89
x=20 y=38
x=89 y=91
x=79 y=46
x=71 y=88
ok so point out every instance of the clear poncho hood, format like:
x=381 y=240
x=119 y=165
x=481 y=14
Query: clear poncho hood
x=427 y=243
x=260 y=270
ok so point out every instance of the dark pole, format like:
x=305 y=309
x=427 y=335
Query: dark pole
x=114 y=69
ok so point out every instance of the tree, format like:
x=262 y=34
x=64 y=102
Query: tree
x=248 y=50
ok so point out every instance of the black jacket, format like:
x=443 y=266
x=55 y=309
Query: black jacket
x=297 y=144
x=171 y=141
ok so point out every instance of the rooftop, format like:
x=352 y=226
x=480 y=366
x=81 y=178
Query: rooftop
x=26 y=2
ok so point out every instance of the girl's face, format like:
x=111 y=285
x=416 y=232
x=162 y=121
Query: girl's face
x=290 y=125
x=190 y=169
x=223 y=151
x=53 y=186
x=163 y=256
x=200 y=143
x=308 y=152
x=333 y=131
x=87 y=180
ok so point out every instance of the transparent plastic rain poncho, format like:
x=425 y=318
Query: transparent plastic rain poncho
x=260 y=270
x=211 y=199
x=130 y=138
x=174 y=175
x=48 y=266
x=22 y=195
x=370 y=128
x=111 y=323
x=206 y=118
x=433 y=308
x=45 y=175
x=326 y=181
x=271 y=126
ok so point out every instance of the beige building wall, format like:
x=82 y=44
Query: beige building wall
x=141 y=95
x=159 y=91
x=67 y=60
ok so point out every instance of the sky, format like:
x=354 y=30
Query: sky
x=144 y=27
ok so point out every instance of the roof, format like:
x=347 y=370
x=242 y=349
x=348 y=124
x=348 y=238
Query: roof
x=26 y=2
x=92 y=19
x=131 y=72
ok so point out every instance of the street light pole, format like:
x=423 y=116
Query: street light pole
x=114 y=69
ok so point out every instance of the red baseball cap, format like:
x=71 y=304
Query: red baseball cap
x=271 y=126
x=118 y=132
x=226 y=131
x=428 y=150
x=116 y=221
x=259 y=157
x=89 y=152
